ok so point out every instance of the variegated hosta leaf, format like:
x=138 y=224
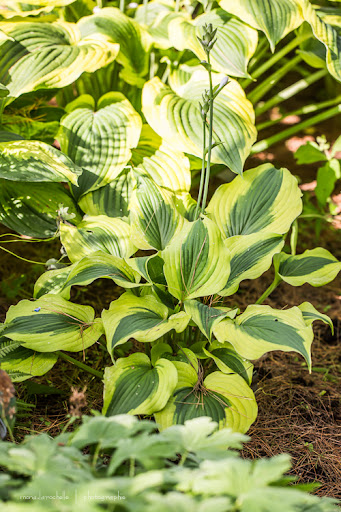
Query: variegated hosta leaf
x=261 y=329
x=156 y=17
x=264 y=200
x=52 y=323
x=275 y=18
x=316 y=267
x=99 y=265
x=227 y=399
x=134 y=41
x=196 y=261
x=22 y=362
x=112 y=199
x=101 y=233
x=32 y=209
x=227 y=360
x=134 y=386
x=99 y=137
x=49 y=55
x=28 y=160
x=310 y=314
x=175 y=116
x=167 y=166
x=236 y=42
x=149 y=267
x=251 y=256
x=12 y=8
x=154 y=216
x=206 y=316
x=52 y=281
x=96 y=266
x=142 y=318
x=327 y=34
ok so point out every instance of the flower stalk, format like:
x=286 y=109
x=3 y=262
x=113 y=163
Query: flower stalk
x=207 y=41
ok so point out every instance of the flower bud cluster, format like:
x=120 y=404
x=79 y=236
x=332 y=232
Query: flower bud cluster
x=208 y=38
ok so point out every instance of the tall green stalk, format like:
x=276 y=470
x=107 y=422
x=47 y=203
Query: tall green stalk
x=208 y=40
x=210 y=136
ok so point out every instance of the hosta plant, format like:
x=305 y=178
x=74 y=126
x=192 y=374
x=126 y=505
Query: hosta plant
x=195 y=348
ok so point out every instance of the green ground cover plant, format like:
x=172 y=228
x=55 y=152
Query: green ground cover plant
x=129 y=467
x=321 y=207
x=146 y=102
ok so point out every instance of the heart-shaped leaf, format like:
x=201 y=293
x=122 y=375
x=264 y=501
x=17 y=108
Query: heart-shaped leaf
x=52 y=323
x=133 y=386
x=261 y=329
x=264 y=200
x=99 y=137
x=175 y=116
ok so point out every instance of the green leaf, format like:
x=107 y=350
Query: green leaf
x=327 y=34
x=196 y=261
x=53 y=281
x=175 y=116
x=24 y=362
x=111 y=200
x=251 y=256
x=276 y=18
x=149 y=267
x=236 y=42
x=310 y=153
x=100 y=233
x=229 y=361
x=49 y=55
x=52 y=323
x=109 y=432
x=134 y=41
x=154 y=216
x=157 y=17
x=316 y=267
x=167 y=166
x=263 y=200
x=199 y=436
x=25 y=160
x=99 y=137
x=142 y=318
x=227 y=399
x=261 y=329
x=13 y=8
x=327 y=176
x=133 y=386
x=3 y=91
x=40 y=123
x=310 y=314
x=206 y=317
x=95 y=266
x=32 y=209
x=99 y=265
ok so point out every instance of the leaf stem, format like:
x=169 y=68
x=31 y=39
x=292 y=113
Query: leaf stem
x=290 y=91
x=122 y=5
x=266 y=85
x=276 y=57
x=80 y=365
x=307 y=109
x=269 y=290
x=266 y=143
